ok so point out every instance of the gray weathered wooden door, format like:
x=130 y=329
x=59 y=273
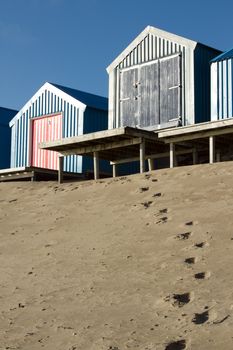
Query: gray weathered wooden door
x=170 y=95
x=129 y=106
x=149 y=95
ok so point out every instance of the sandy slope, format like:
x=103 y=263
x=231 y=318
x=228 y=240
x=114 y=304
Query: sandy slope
x=102 y=265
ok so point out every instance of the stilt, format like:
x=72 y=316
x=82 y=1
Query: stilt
x=96 y=165
x=114 y=170
x=142 y=156
x=172 y=155
x=60 y=169
x=218 y=156
x=211 y=149
x=195 y=156
x=151 y=164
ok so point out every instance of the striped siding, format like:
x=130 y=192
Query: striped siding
x=221 y=89
x=150 y=48
x=46 y=103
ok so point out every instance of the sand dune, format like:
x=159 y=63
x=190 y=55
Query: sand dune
x=140 y=262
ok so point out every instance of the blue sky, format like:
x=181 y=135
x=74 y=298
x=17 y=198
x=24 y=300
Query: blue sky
x=71 y=42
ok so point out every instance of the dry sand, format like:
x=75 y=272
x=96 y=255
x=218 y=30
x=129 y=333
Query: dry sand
x=141 y=262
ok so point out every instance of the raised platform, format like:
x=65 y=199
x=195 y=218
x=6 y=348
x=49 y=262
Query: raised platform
x=33 y=174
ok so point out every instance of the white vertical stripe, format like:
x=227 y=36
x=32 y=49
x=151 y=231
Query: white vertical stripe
x=214 y=91
x=230 y=88
x=224 y=89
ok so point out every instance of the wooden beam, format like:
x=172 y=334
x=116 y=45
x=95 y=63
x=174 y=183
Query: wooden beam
x=60 y=169
x=142 y=156
x=211 y=149
x=101 y=147
x=200 y=127
x=198 y=135
x=96 y=165
x=151 y=156
x=102 y=136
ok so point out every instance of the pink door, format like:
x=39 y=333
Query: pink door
x=48 y=128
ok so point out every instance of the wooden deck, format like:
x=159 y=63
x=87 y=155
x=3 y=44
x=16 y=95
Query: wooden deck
x=33 y=173
x=128 y=144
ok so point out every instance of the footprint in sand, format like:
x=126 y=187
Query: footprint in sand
x=176 y=345
x=183 y=236
x=143 y=189
x=201 y=245
x=147 y=204
x=202 y=275
x=182 y=299
x=201 y=318
x=190 y=261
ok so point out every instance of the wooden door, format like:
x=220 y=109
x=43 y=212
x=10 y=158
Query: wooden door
x=170 y=89
x=129 y=106
x=48 y=128
x=149 y=94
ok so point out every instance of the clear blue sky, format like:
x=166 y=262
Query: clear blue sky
x=71 y=42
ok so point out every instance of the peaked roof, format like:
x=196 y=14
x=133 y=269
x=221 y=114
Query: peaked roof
x=88 y=99
x=158 y=32
x=223 y=56
x=6 y=114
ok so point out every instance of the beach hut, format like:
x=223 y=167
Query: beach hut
x=56 y=112
x=6 y=114
x=221 y=86
x=160 y=80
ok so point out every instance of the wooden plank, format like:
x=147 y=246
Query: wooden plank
x=142 y=156
x=96 y=165
x=99 y=136
x=200 y=135
x=101 y=147
x=195 y=128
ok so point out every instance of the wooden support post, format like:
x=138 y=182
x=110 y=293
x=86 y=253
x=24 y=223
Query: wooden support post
x=151 y=164
x=114 y=170
x=60 y=169
x=172 y=155
x=211 y=149
x=142 y=156
x=195 y=156
x=96 y=165
x=218 y=156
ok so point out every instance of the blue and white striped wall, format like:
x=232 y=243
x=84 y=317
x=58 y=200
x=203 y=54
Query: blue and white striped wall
x=48 y=100
x=221 y=89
